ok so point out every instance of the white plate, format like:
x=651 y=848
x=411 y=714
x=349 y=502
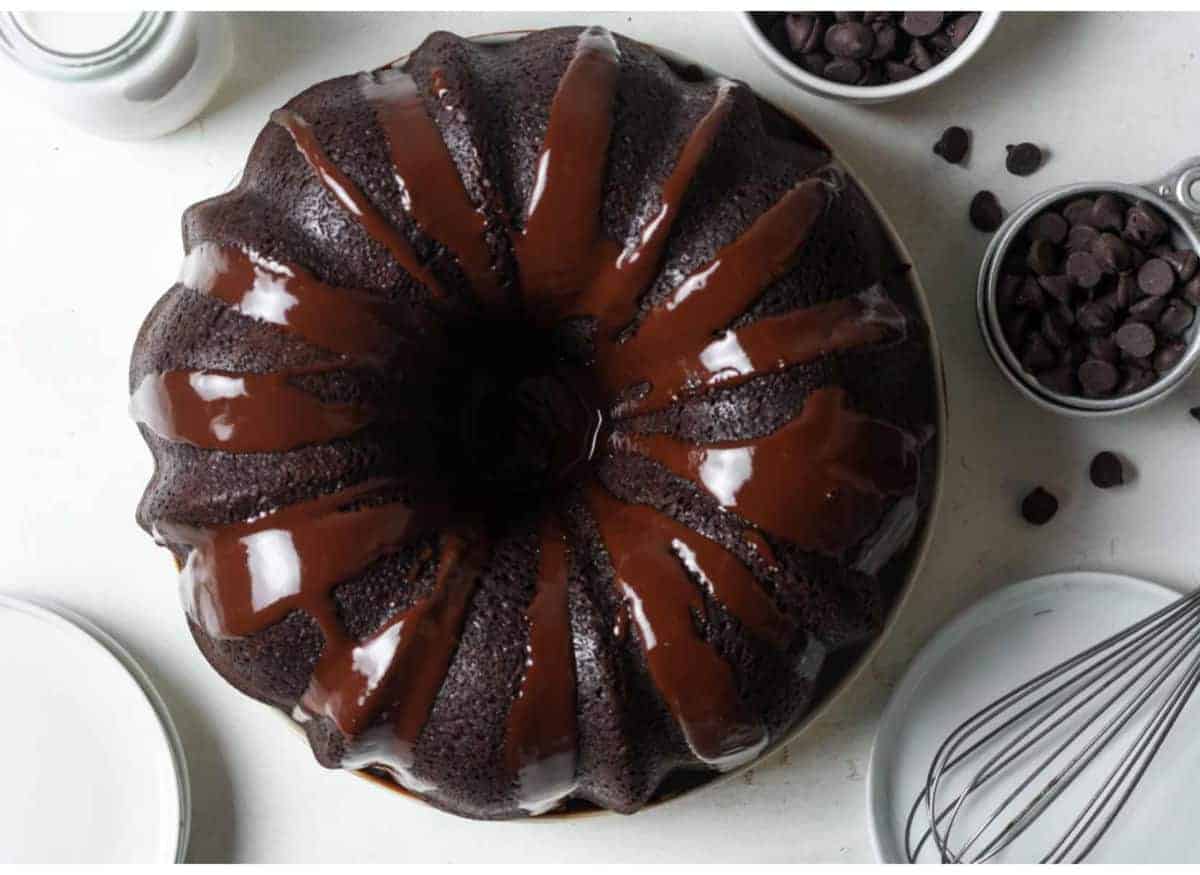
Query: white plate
x=1005 y=639
x=91 y=770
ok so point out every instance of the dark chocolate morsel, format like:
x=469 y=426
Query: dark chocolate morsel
x=898 y=72
x=1023 y=159
x=1039 y=507
x=1015 y=327
x=1176 y=318
x=1037 y=355
x=886 y=37
x=1156 y=277
x=1103 y=347
x=1056 y=327
x=1098 y=378
x=985 y=212
x=1169 y=355
x=1126 y=291
x=1060 y=380
x=1144 y=225
x=961 y=27
x=1030 y=295
x=1135 y=379
x=1108 y=213
x=1043 y=258
x=1112 y=252
x=1191 y=291
x=1184 y=262
x=953 y=144
x=844 y=70
x=800 y=27
x=1084 y=269
x=850 y=39
x=1078 y=211
x=1081 y=238
x=1095 y=317
x=1147 y=310
x=1136 y=339
x=1106 y=470
x=1058 y=286
x=1050 y=227
x=921 y=23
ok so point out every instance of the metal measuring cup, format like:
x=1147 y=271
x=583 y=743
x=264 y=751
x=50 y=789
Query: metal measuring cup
x=1177 y=196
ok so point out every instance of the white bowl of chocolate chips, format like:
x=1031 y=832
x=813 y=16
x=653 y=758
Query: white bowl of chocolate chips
x=1088 y=293
x=867 y=57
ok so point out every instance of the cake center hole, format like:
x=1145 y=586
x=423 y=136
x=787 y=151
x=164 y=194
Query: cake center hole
x=524 y=418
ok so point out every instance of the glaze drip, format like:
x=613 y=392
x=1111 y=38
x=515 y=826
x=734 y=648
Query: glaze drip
x=431 y=190
x=540 y=748
x=846 y=473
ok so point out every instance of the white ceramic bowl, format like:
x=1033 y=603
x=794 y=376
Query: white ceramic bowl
x=814 y=84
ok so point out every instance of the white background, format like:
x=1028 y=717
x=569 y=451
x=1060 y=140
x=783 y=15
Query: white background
x=89 y=238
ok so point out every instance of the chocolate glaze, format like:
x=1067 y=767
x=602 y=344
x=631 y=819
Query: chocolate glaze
x=824 y=481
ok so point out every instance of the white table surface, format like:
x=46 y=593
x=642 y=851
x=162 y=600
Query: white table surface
x=89 y=238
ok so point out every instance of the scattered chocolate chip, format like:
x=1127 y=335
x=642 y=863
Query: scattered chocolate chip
x=953 y=144
x=1023 y=159
x=1176 y=318
x=1039 y=507
x=921 y=23
x=1106 y=470
x=1168 y=356
x=1136 y=339
x=985 y=212
x=1156 y=277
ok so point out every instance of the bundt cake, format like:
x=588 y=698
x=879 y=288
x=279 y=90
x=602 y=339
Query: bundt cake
x=538 y=424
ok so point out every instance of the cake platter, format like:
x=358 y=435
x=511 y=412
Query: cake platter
x=917 y=550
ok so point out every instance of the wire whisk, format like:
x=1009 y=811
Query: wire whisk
x=1095 y=721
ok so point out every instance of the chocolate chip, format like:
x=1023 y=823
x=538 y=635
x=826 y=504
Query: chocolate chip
x=1078 y=211
x=953 y=144
x=814 y=62
x=1039 y=507
x=898 y=72
x=850 y=39
x=1169 y=355
x=985 y=212
x=1184 y=262
x=1058 y=286
x=1030 y=295
x=1156 y=277
x=1147 y=310
x=1108 y=213
x=921 y=23
x=1112 y=252
x=1095 y=317
x=1050 y=227
x=1191 y=290
x=1043 y=257
x=1144 y=225
x=1081 y=238
x=1176 y=318
x=1084 y=269
x=844 y=70
x=1023 y=159
x=1106 y=470
x=1103 y=347
x=919 y=56
x=1016 y=326
x=1037 y=355
x=886 y=37
x=961 y=27
x=803 y=31
x=1060 y=380
x=1126 y=291
x=1135 y=379
x=1056 y=327
x=1136 y=339
x=1098 y=378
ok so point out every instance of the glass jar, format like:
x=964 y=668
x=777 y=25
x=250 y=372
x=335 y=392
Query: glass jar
x=120 y=75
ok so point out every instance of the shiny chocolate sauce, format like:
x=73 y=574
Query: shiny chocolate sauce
x=520 y=423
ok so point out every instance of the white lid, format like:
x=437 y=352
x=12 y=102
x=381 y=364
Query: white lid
x=90 y=766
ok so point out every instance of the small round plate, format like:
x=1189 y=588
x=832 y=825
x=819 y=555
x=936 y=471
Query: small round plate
x=92 y=771
x=1001 y=641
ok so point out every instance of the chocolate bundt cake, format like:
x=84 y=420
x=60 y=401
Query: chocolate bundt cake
x=537 y=424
